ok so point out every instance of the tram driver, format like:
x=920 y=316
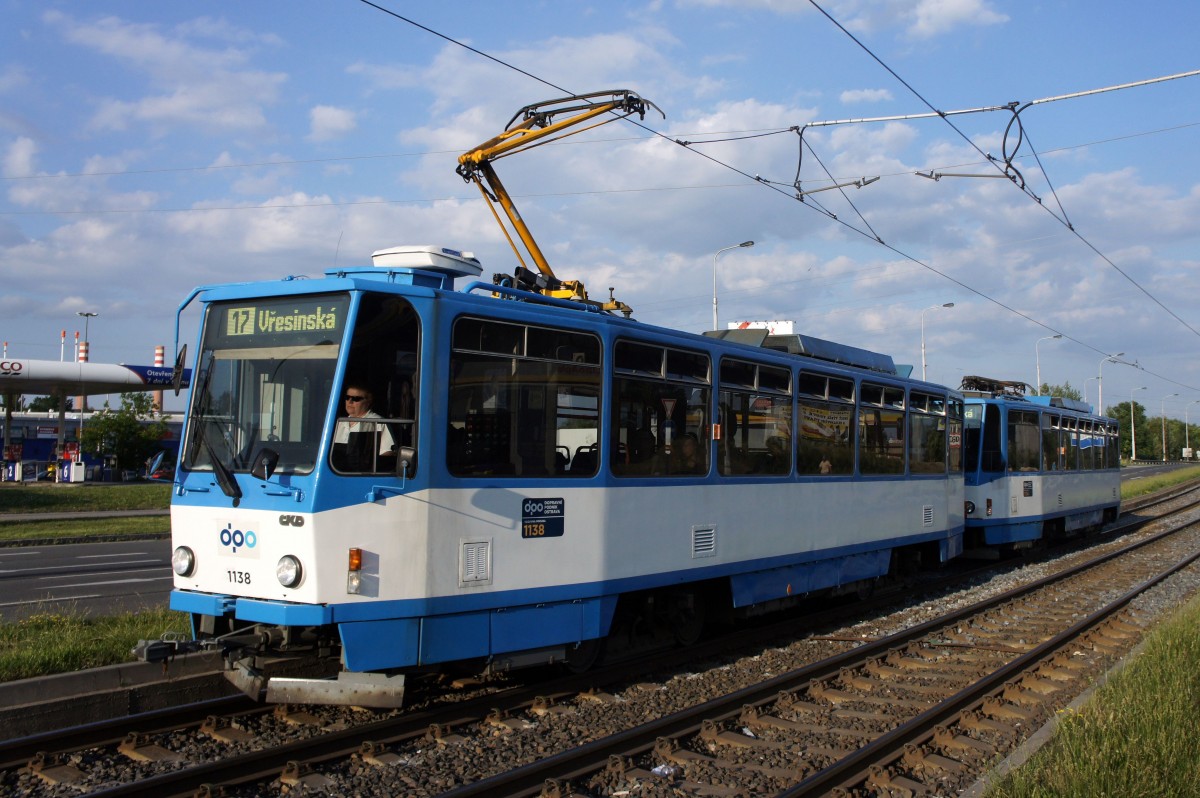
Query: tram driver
x=359 y=444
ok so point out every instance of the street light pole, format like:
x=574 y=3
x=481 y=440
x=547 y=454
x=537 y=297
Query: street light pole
x=1164 y=423
x=931 y=307
x=1133 y=427
x=1037 y=391
x=87 y=319
x=716 y=255
x=1100 y=382
x=1187 y=442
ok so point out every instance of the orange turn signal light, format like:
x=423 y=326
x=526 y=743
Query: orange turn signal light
x=355 y=559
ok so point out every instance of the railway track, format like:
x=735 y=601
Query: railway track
x=784 y=731
x=920 y=712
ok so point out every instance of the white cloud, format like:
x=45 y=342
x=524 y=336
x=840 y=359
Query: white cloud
x=934 y=17
x=199 y=86
x=865 y=96
x=922 y=20
x=328 y=123
x=13 y=77
x=19 y=160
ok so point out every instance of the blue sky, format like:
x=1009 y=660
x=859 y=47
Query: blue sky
x=147 y=148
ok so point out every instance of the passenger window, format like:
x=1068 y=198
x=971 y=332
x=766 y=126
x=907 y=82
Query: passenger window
x=1024 y=441
x=881 y=430
x=523 y=401
x=660 y=424
x=927 y=434
x=755 y=411
x=825 y=426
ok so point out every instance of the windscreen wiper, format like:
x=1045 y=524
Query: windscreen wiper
x=224 y=476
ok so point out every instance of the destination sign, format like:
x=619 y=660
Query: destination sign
x=278 y=321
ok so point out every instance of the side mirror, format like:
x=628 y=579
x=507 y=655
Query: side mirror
x=264 y=464
x=177 y=373
x=406 y=460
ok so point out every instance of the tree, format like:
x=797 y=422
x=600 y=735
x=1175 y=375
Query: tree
x=1120 y=412
x=1065 y=391
x=48 y=404
x=130 y=434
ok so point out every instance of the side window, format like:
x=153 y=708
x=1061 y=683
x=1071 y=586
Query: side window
x=991 y=450
x=1070 y=444
x=377 y=402
x=660 y=411
x=881 y=429
x=825 y=425
x=1087 y=444
x=954 y=422
x=755 y=411
x=1024 y=441
x=1049 y=442
x=927 y=434
x=523 y=401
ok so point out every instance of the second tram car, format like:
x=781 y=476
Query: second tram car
x=1036 y=466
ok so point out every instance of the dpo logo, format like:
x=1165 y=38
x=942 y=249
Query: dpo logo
x=236 y=538
x=11 y=368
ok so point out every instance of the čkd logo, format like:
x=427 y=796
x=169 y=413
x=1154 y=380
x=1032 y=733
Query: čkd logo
x=291 y=520
x=236 y=538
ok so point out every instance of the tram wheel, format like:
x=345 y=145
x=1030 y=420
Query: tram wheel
x=688 y=625
x=583 y=656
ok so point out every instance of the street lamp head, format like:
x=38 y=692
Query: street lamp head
x=86 y=314
x=746 y=244
x=948 y=305
x=1056 y=337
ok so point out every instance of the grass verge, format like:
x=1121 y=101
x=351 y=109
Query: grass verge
x=65 y=641
x=100 y=528
x=1140 y=487
x=1136 y=737
x=82 y=498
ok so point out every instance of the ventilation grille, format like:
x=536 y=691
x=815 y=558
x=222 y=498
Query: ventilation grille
x=704 y=541
x=476 y=564
x=1060 y=500
x=927 y=515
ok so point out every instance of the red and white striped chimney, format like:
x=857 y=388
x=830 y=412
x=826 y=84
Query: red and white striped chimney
x=82 y=348
x=159 y=362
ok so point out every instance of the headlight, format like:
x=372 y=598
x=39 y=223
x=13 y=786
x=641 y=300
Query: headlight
x=288 y=571
x=183 y=561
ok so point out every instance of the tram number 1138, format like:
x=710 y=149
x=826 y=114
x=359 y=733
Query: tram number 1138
x=543 y=518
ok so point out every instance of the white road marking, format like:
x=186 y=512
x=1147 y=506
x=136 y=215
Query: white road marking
x=46 y=600
x=118 y=582
x=60 y=567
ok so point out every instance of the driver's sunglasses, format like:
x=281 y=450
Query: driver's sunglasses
x=353 y=398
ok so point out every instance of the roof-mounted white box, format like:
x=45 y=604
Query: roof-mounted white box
x=438 y=259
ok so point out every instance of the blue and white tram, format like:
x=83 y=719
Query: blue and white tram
x=1037 y=466
x=534 y=475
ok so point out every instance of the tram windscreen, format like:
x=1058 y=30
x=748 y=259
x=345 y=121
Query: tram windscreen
x=264 y=378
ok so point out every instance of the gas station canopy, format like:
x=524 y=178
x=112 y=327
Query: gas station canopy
x=21 y=376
